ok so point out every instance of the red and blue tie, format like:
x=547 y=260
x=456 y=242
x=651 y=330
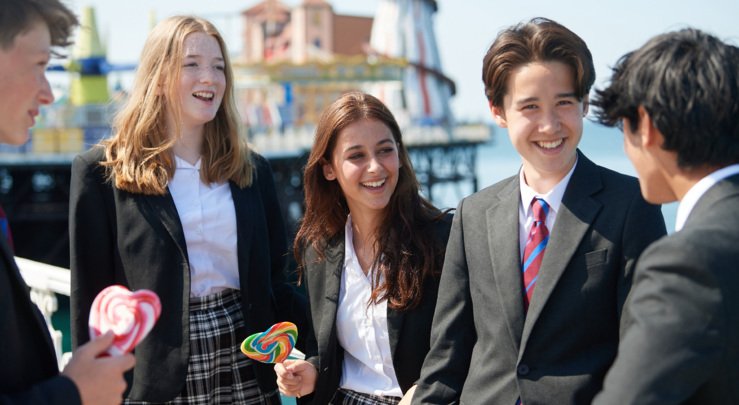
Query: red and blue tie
x=533 y=252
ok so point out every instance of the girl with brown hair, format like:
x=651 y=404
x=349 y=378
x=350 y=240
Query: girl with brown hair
x=370 y=249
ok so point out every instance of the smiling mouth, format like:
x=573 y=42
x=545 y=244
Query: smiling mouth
x=550 y=145
x=204 y=95
x=374 y=184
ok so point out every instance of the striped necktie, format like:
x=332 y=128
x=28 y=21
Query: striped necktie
x=533 y=252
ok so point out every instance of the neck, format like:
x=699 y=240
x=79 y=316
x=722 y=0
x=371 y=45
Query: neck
x=682 y=180
x=542 y=181
x=187 y=151
x=189 y=143
x=541 y=184
x=364 y=231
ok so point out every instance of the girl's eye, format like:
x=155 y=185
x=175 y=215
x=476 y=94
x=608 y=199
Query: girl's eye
x=529 y=107
x=221 y=68
x=385 y=151
x=191 y=64
x=355 y=156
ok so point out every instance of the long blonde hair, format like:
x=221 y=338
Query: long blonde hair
x=139 y=155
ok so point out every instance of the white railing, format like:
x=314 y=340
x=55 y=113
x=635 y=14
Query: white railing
x=46 y=281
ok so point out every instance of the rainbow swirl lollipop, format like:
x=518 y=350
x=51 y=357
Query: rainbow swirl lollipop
x=272 y=345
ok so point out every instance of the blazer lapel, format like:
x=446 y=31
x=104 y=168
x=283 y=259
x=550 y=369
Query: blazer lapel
x=333 y=267
x=245 y=205
x=394 y=326
x=575 y=215
x=161 y=208
x=502 y=225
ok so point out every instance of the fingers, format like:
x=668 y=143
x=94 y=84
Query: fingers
x=118 y=364
x=99 y=380
x=288 y=383
x=96 y=346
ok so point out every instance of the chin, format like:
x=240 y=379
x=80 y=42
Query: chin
x=15 y=138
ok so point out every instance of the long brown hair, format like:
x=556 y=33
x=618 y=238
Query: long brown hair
x=139 y=156
x=407 y=251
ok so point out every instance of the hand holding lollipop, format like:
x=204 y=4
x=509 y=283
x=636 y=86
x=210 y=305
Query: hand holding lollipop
x=130 y=315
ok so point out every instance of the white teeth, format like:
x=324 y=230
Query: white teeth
x=550 y=145
x=374 y=184
x=204 y=94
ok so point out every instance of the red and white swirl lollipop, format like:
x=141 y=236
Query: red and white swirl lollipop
x=130 y=315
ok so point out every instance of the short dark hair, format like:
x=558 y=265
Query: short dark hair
x=688 y=82
x=539 y=40
x=18 y=16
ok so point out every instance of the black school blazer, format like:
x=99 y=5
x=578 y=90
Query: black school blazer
x=409 y=331
x=28 y=370
x=137 y=240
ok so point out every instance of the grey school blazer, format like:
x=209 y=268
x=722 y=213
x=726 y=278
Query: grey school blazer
x=484 y=348
x=682 y=345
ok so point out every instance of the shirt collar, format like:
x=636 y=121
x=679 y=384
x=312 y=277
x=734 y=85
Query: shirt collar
x=184 y=164
x=690 y=199
x=349 y=254
x=553 y=197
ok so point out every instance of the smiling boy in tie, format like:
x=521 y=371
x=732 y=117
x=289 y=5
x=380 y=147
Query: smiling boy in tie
x=539 y=265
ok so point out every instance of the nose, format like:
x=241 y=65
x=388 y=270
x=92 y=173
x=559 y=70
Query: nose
x=550 y=122
x=45 y=96
x=208 y=75
x=374 y=164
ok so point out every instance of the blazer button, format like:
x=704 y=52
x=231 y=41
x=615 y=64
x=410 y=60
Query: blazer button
x=523 y=369
x=325 y=369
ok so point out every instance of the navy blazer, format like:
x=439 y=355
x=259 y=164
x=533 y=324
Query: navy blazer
x=485 y=348
x=28 y=370
x=408 y=331
x=137 y=240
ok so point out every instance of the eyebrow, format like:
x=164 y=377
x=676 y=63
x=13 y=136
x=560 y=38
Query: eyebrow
x=200 y=56
x=531 y=99
x=382 y=142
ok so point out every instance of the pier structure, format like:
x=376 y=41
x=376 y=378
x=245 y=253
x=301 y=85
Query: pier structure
x=295 y=61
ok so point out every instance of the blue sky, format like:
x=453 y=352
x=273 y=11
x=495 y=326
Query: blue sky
x=464 y=28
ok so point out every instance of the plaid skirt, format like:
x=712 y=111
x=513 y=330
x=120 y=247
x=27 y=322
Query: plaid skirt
x=218 y=373
x=349 y=397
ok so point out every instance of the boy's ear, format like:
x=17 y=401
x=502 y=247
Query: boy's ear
x=585 y=105
x=650 y=135
x=498 y=116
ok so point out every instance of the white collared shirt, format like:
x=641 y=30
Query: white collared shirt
x=526 y=214
x=696 y=192
x=208 y=219
x=362 y=331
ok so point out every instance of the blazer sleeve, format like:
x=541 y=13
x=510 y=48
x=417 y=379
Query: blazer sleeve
x=55 y=390
x=676 y=338
x=91 y=242
x=291 y=304
x=453 y=333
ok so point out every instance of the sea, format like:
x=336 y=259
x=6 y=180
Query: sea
x=497 y=160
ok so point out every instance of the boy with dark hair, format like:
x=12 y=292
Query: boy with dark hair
x=538 y=266
x=677 y=98
x=28 y=369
